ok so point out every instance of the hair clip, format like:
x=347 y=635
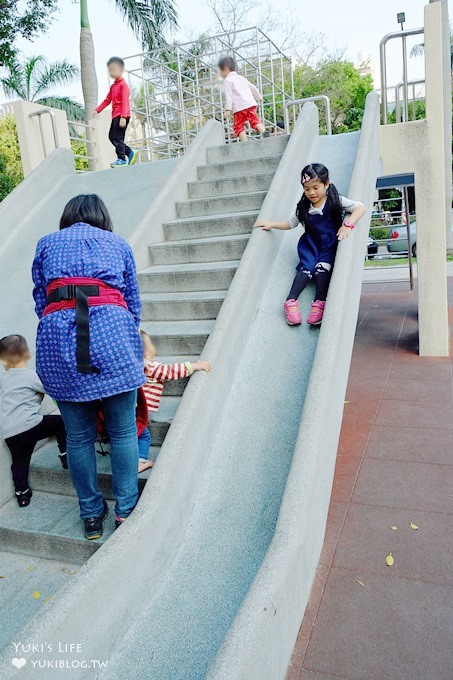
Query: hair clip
x=306 y=178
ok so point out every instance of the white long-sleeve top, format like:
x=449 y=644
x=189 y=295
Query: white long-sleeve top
x=240 y=94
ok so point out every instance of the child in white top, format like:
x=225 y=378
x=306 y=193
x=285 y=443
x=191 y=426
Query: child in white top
x=241 y=98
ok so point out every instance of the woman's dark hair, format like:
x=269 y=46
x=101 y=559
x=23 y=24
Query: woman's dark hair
x=227 y=62
x=13 y=346
x=116 y=60
x=88 y=208
x=333 y=202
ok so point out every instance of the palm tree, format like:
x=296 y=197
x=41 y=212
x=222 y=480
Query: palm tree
x=148 y=20
x=34 y=79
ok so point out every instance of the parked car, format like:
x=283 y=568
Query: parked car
x=397 y=242
x=372 y=247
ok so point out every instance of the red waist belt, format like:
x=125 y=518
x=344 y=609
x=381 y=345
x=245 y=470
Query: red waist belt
x=81 y=293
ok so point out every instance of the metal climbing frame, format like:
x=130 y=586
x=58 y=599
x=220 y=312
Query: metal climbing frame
x=176 y=89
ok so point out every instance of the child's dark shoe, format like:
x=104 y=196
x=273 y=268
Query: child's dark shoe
x=63 y=460
x=94 y=527
x=24 y=498
x=119 y=521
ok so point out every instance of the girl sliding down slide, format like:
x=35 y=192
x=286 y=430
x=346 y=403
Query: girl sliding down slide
x=321 y=211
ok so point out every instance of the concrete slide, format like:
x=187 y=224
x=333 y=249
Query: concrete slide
x=210 y=576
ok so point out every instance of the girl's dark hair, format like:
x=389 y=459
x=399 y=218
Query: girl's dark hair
x=227 y=62
x=333 y=202
x=116 y=60
x=13 y=345
x=88 y=208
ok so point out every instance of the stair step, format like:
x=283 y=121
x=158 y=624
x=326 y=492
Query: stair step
x=239 y=167
x=252 y=149
x=46 y=473
x=49 y=527
x=212 y=249
x=220 y=204
x=182 y=306
x=225 y=224
x=175 y=388
x=225 y=186
x=188 y=277
x=179 y=337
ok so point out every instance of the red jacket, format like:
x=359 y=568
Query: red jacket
x=118 y=96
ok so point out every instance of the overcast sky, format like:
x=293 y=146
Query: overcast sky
x=357 y=25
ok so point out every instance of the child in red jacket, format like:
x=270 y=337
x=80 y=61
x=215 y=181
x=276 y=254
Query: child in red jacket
x=157 y=375
x=118 y=97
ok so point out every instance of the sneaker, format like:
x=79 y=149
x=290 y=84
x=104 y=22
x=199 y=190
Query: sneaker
x=24 y=497
x=119 y=162
x=292 y=312
x=316 y=314
x=93 y=525
x=119 y=521
x=63 y=460
x=132 y=157
x=266 y=133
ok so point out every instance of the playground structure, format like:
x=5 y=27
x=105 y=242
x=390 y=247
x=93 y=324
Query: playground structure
x=220 y=554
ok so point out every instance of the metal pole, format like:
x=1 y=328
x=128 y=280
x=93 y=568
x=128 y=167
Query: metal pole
x=409 y=244
x=405 y=85
x=383 y=59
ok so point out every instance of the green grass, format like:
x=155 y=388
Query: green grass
x=392 y=262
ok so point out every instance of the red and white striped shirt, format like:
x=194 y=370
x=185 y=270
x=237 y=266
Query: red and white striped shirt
x=157 y=375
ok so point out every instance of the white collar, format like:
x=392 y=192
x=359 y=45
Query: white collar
x=317 y=211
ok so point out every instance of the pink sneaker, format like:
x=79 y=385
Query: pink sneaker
x=316 y=314
x=293 y=316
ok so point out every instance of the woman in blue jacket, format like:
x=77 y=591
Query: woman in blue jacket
x=89 y=349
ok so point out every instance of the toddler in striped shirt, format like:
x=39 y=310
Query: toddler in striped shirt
x=157 y=375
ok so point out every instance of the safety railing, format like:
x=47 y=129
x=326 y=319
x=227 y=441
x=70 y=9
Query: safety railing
x=38 y=114
x=403 y=35
x=82 y=146
x=412 y=100
x=300 y=102
x=176 y=89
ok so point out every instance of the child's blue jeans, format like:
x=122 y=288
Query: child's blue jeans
x=144 y=442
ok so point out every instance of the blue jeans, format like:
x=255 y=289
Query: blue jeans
x=80 y=422
x=144 y=442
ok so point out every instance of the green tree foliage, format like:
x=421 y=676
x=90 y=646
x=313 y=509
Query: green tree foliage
x=345 y=86
x=19 y=19
x=34 y=78
x=10 y=163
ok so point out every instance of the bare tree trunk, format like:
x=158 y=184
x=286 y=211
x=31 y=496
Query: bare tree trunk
x=88 y=74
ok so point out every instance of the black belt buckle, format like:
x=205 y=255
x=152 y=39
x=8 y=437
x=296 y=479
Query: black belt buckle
x=70 y=292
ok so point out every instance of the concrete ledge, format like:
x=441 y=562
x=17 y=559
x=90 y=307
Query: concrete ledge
x=150 y=229
x=260 y=642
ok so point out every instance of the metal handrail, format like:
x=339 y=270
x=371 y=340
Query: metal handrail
x=40 y=113
x=383 y=58
x=398 y=86
x=295 y=102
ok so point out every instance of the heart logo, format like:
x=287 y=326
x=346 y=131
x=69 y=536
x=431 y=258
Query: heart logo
x=19 y=663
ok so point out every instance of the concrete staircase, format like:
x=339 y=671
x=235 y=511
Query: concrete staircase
x=182 y=292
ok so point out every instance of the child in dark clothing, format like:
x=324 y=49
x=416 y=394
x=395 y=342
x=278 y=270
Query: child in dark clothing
x=118 y=97
x=22 y=423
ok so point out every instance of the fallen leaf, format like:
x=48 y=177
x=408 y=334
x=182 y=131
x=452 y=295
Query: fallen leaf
x=394 y=528
x=389 y=560
x=413 y=526
x=47 y=599
x=347 y=402
x=361 y=583
x=31 y=568
x=72 y=573
x=37 y=595
x=2 y=576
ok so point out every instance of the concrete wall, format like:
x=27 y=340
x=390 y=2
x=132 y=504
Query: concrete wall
x=260 y=642
x=36 y=143
x=421 y=147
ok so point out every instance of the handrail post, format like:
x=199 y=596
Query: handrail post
x=304 y=100
x=39 y=113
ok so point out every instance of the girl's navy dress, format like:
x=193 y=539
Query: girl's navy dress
x=319 y=242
